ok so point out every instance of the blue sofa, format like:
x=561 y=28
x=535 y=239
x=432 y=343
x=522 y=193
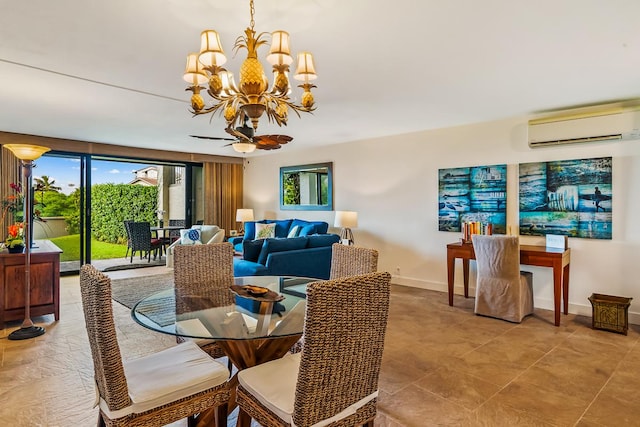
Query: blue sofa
x=306 y=256
x=283 y=227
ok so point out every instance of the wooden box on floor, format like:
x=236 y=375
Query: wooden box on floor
x=610 y=313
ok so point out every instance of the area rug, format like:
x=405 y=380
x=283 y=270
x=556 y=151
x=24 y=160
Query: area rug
x=129 y=290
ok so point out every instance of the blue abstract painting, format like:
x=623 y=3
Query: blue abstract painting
x=567 y=197
x=477 y=193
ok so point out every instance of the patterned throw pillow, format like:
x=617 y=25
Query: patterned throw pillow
x=190 y=236
x=294 y=231
x=264 y=231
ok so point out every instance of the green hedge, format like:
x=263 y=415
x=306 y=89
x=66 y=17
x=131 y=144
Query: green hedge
x=111 y=204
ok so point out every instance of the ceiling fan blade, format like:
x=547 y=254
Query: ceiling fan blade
x=272 y=140
x=215 y=138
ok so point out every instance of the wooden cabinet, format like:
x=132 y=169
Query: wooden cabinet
x=45 y=282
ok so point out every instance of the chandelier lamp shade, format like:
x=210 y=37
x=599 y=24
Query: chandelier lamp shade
x=27 y=154
x=253 y=97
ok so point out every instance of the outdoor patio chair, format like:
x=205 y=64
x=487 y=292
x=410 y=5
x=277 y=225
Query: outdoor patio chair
x=126 y=229
x=142 y=242
x=153 y=390
x=203 y=271
x=334 y=380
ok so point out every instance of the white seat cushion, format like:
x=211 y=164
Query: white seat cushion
x=274 y=384
x=167 y=376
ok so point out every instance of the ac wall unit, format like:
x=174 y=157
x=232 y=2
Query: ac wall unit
x=612 y=125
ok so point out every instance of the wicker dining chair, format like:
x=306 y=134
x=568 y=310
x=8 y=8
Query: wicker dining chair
x=154 y=390
x=335 y=377
x=352 y=260
x=141 y=241
x=203 y=271
x=347 y=261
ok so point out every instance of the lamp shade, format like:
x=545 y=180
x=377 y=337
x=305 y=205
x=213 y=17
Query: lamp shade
x=27 y=151
x=211 y=52
x=280 y=52
x=244 y=215
x=193 y=73
x=346 y=219
x=306 y=70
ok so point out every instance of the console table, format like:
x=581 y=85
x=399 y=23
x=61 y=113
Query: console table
x=539 y=256
x=45 y=282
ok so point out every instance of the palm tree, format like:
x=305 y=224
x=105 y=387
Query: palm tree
x=45 y=183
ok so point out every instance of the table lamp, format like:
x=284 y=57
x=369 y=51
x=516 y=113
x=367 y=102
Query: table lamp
x=244 y=215
x=27 y=154
x=346 y=220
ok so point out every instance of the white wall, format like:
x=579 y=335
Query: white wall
x=393 y=185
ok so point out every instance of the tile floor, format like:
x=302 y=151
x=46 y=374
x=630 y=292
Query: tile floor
x=442 y=366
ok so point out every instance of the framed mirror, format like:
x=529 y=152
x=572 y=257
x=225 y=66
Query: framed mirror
x=307 y=187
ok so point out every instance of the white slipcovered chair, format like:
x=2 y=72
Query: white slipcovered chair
x=208 y=234
x=502 y=290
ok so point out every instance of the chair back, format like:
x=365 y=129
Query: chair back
x=127 y=222
x=344 y=334
x=352 y=260
x=203 y=271
x=175 y=234
x=140 y=234
x=497 y=256
x=95 y=288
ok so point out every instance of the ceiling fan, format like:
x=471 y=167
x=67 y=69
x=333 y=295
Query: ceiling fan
x=245 y=134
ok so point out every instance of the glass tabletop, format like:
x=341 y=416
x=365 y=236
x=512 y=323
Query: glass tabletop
x=280 y=313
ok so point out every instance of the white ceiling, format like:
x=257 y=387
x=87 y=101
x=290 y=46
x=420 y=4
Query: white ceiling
x=111 y=71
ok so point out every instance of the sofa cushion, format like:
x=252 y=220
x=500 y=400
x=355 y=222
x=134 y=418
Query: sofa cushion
x=207 y=232
x=318 y=240
x=279 y=245
x=251 y=249
x=307 y=230
x=264 y=231
x=190 y=236
x=282 y=227
x=320 y=227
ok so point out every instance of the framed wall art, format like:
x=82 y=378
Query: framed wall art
x=471 y=194
x=566 y=197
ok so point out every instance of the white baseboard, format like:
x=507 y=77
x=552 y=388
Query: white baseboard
x=545 y=303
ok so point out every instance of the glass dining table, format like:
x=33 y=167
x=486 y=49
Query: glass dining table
x=251 y=328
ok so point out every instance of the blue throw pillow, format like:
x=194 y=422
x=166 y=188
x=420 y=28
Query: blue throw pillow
x=279 y=245
x=307 y=230
x=251 y=249
x=319 y=240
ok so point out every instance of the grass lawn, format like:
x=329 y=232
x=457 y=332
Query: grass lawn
x=70 y=246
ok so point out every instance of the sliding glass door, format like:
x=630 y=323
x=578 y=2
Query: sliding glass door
x=84 y=201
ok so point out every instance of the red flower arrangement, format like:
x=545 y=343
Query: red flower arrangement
x=16 y=235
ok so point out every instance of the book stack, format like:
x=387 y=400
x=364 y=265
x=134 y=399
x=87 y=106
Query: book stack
x=475 y=227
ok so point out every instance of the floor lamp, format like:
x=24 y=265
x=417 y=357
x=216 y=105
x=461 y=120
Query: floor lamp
x=27 y=154
x=346 y=220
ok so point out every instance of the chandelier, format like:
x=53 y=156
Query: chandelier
x=252 y=97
